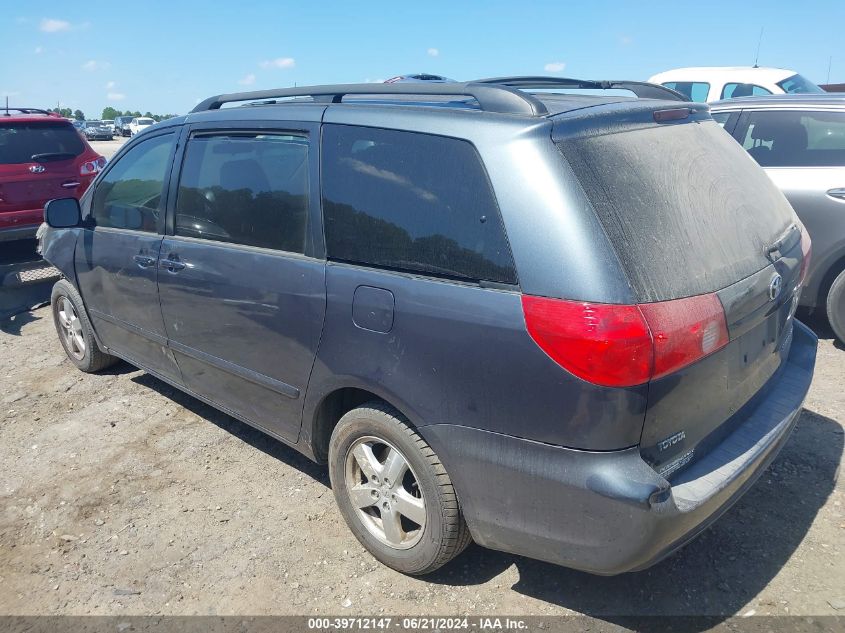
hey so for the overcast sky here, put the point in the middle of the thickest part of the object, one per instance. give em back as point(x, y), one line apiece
point(165, 56)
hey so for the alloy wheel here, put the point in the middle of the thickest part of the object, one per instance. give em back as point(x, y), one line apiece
point(71, 328)
point(385, 492)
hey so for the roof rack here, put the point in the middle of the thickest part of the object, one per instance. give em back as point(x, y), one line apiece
point(641, 89)
point(491, 98)
point(501, 94)
point(28, 111)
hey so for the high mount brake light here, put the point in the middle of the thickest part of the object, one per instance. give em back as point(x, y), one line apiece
point(626, 345)
point(675, 114)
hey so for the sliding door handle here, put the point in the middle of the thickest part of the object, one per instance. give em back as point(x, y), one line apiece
point(171, 265)
point(144, 261)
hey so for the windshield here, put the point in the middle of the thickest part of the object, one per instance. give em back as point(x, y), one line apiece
point(799, 85)
point(93, 123)
point(145, 121)
point(19, 142)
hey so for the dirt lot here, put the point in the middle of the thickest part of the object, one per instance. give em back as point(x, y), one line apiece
point(109, 148)
point(121, 495)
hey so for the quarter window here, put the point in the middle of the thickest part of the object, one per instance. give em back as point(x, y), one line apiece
point(129, 196)
point(412, 202)
point(729, 91)
point(245, 188)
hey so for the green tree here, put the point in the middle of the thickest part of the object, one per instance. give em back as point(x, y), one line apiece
point(65, 112)
point(79, 115)
point(109, 113)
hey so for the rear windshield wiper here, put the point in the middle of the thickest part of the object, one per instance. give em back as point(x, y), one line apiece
point(47, 157)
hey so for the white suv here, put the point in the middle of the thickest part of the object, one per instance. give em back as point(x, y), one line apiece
point(726, 82)
point(138, 124)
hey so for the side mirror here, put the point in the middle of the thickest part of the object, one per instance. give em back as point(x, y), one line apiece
point(63, 213)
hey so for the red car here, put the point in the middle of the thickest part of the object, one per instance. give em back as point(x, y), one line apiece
point(42, 157)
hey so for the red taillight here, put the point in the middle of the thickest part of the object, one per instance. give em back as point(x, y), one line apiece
point(625, 345)
point(684, 331)
point(91, 167)
point(602, 343)
point(807, 253)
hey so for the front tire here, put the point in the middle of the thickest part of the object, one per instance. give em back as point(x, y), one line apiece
point(393, 492)
point(74, 329)
point(835, 306)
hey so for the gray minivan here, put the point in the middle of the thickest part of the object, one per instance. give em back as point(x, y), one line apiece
point(533, 320)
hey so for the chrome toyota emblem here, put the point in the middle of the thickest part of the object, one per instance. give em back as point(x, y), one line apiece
point(774, 286)
point(37, 169)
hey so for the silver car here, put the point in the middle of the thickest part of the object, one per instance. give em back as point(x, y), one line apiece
point(800, 142)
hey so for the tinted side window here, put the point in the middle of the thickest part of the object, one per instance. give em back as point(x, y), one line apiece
point(412, 202)
point(130, 194)
point(247, 189)
point(721, 117)
point(794, 139)
point(695, 90)
point(732, 90)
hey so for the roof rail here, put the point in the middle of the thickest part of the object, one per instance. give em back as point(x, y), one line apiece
point(642, 89)
point(29, 111)
point(491, 97)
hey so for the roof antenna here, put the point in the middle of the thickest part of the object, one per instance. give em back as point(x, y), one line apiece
point(759, 41)
point(829, 62)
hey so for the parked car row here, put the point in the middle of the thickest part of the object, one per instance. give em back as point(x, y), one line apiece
point(559, 325)
point(108, 129)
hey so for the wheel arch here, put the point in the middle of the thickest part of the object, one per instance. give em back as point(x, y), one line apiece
point(325, 412)
point(828, 270)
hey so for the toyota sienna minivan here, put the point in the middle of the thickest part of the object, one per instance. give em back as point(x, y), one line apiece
point(559, 325)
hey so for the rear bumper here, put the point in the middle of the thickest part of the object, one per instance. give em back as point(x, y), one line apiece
point(609, 512)
point(20, 225)
point(18, 233)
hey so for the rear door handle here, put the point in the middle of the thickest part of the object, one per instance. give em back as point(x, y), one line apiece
point(144, 261)
point(838, 193)
point(171, 265)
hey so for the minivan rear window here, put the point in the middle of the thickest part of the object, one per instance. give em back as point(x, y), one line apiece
point(19, 142)
point(686, 209)
point(412, 202)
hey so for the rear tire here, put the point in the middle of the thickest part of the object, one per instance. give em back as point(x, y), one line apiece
point(835, 306)
point(74, 329)
point(393, 492)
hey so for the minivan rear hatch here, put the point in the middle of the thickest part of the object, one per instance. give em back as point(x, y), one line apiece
point(689, 213)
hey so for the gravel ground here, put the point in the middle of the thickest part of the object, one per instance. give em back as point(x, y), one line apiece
point(121, 495)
